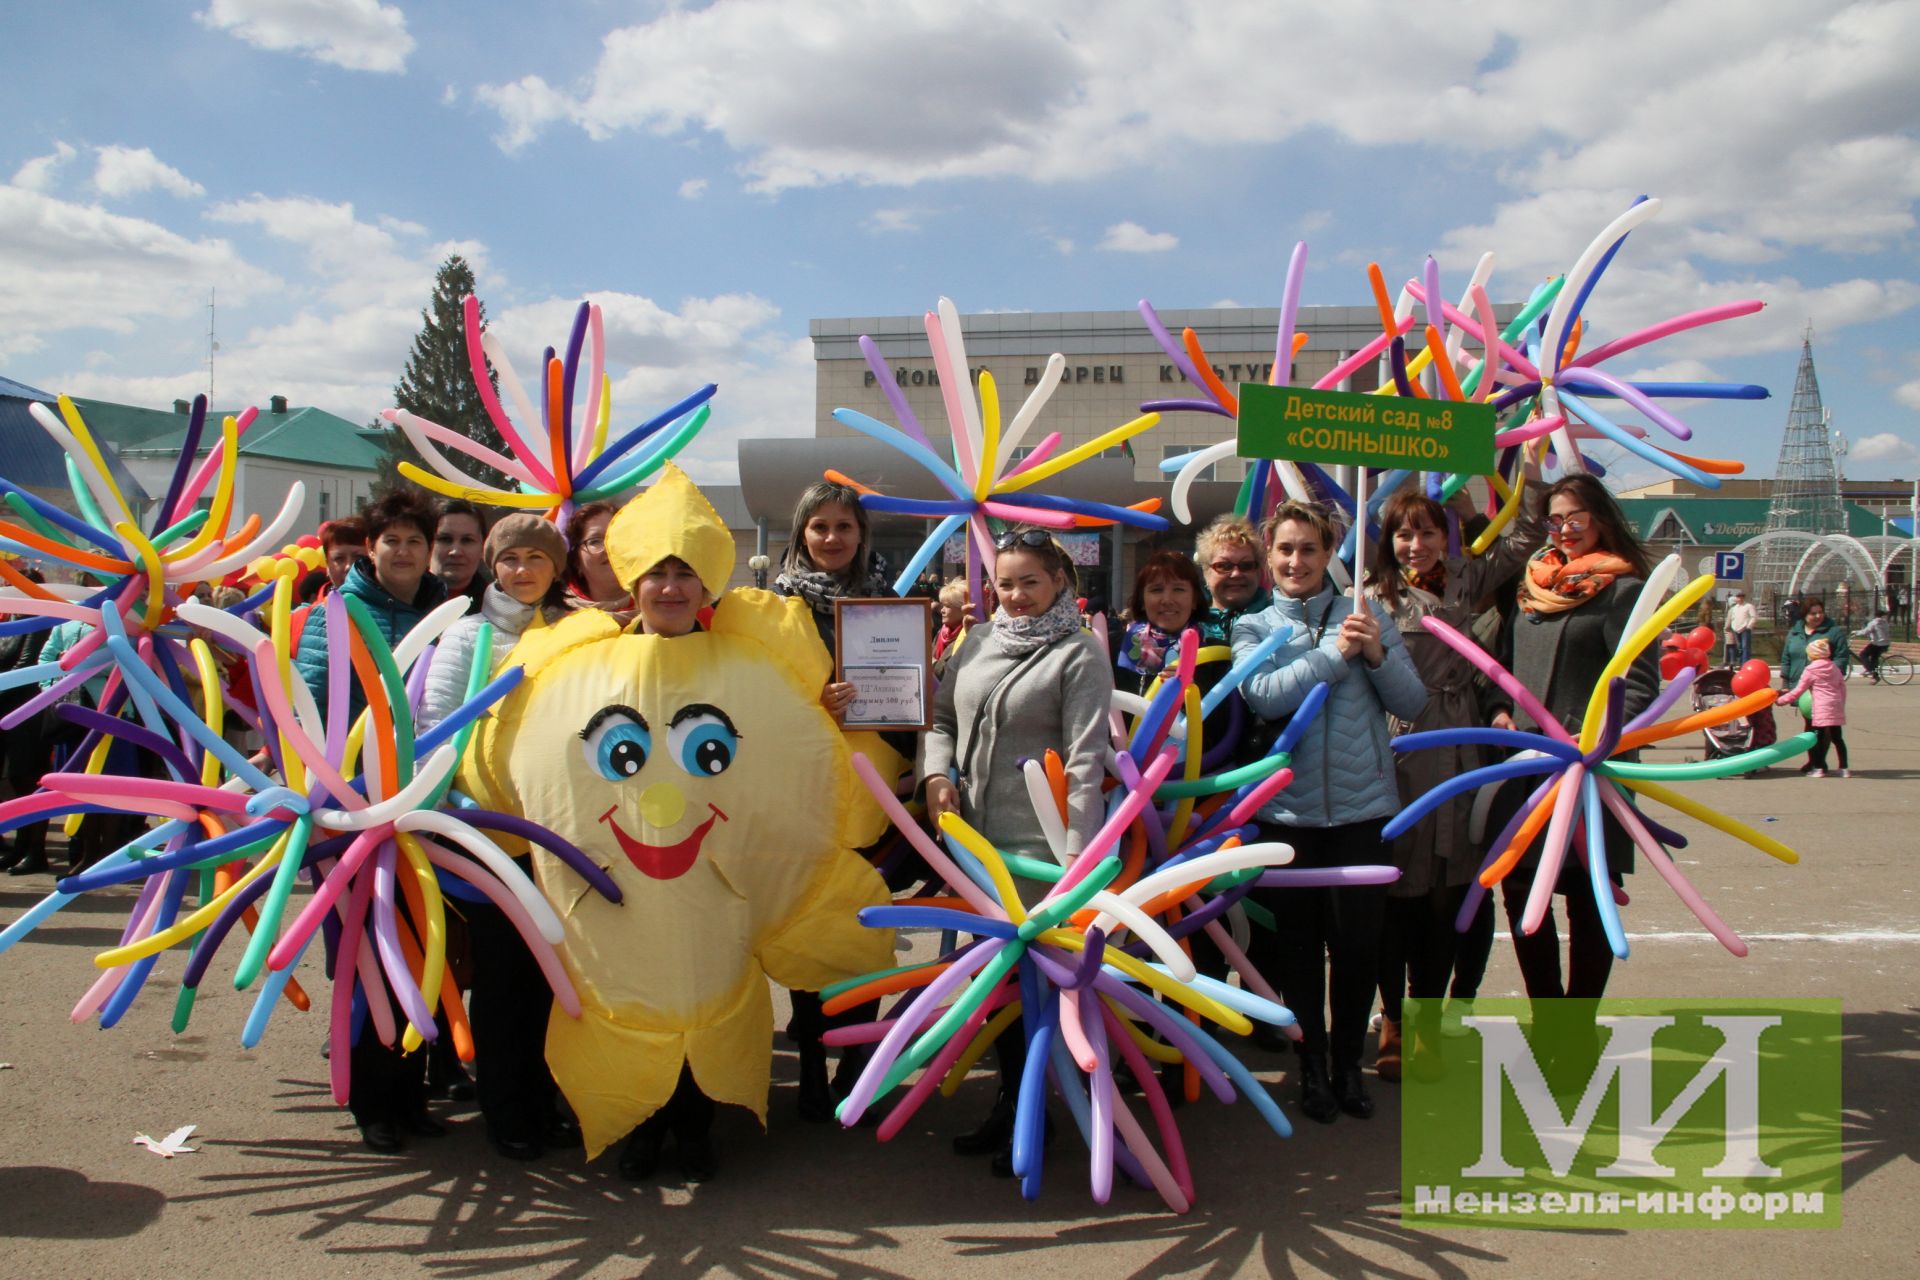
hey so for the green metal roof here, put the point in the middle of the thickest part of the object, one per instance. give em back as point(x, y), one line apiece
point(308, 436)
point(1726, 521)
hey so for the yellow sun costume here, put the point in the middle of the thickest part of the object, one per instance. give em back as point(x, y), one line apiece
point(702, 772)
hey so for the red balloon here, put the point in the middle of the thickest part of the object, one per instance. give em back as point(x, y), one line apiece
point(1754, 674)
point(1672, 664)
point(1700, 638)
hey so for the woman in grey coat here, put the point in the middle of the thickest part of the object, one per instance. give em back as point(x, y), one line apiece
point(1341, 795)
point(1576, 594)
point(1026, 681)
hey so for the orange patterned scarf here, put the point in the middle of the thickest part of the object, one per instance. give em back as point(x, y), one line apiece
point(1554, 584)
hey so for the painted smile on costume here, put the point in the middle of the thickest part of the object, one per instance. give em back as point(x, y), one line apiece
point(662, 861)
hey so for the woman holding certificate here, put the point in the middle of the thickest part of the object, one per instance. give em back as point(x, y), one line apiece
point(1029, 680)
point(830, 557)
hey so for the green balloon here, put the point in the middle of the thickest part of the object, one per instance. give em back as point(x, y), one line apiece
point(1806, 705)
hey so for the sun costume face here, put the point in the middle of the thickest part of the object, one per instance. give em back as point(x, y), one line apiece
point(702, 773)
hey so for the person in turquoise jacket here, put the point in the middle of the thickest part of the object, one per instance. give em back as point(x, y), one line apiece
point(388, 1094)
point(1342, 793)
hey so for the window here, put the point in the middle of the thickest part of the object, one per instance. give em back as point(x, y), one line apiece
point(1179, 450)
point(326, 505)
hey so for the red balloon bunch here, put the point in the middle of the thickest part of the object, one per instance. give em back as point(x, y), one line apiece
point(1754, 675)
point(1694, 649)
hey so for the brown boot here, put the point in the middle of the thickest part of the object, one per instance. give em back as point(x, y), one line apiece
point(1387, 1061)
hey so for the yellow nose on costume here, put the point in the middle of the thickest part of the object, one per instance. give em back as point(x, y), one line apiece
point(662, 804)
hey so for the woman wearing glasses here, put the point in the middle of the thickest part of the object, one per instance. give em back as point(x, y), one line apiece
point(1341, 795)
point(1028, 680)
point(591, 581)
point(1415, 578)
point(1575, 596)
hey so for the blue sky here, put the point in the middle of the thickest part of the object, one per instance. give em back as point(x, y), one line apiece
point(718, 174)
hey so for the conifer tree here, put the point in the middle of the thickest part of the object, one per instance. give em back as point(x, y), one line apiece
point(437, 383)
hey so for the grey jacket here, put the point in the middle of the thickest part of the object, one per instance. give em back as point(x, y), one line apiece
point(1058, 698)
point(453, 656)
point(1343, 767)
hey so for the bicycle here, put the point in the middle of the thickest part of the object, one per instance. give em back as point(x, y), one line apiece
point(1895, 670)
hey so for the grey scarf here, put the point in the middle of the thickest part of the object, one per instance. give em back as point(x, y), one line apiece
point(1018, 637)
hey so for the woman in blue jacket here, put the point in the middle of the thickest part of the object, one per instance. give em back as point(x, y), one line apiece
point(1341, 796)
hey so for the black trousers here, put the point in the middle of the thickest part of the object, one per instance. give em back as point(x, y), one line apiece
point(1326, 952)
point(1826, 735)
point(1589, 957)
point(687, 1115)
point(1422, 955)
point(387, 1084)
point(509, 1008)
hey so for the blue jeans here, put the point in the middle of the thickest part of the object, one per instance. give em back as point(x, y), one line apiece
point(1739, 646)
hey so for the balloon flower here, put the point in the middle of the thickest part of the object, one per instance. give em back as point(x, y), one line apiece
point(1583, 775)
point(360, 807)
point(984, 481)
point(1097, 973)
point(147, 567)
point(569, 459)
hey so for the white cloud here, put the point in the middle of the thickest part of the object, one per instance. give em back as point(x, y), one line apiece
point(1885, 447)
point(526, 107)
point(360, 35)
point(1131, 237)
point(693, 188)
point(1063, 245)
point(449, 95)
point(126, 171)
point(1908, 394)
point(37, 173)
point(894, 220)
point(75, 266)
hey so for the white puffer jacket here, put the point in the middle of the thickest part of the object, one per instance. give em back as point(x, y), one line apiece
point(453, 656)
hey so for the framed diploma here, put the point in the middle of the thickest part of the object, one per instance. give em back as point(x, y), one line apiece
point(884, 648)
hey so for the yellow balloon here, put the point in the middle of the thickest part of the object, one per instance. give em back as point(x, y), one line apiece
point(1713, 818)
point(990, 435)
point(1099, 444)
point(980, 847)
point(221, 511)
point(478, 493)
point(1630, 649)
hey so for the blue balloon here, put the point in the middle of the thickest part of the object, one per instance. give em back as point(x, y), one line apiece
point(911, 917)
point(1597, 869)
point(928, 550)
point(1471, 781)
point(1488, 737)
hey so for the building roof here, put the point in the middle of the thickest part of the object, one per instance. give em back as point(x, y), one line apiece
point(29, 457)
point(305, 435)
point(1725, 521)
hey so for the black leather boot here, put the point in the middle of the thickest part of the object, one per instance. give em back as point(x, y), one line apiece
point(1316, 1092)
point(993, 1133)
point(1350, 1090)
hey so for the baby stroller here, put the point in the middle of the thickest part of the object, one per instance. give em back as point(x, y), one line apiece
point(1714, 688)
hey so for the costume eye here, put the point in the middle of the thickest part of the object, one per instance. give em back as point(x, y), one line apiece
point(702, 740)
point(617, 743)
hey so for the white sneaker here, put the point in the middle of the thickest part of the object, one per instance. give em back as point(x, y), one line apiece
point(1373, 1023)
point(1816, 773)
point(1846, 773)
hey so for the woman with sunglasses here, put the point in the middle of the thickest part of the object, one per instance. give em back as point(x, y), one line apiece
point(1341, 795)
point(1576, 594)
point(1415, 578)
point(1029, 680)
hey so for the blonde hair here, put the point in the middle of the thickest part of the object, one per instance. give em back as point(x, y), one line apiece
point(953, 593)
point(1227, 530)
point(1310, 514)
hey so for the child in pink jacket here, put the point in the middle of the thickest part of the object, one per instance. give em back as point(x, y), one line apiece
point(1829, 689)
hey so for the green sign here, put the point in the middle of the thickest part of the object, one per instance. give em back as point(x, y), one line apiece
point(1346, 429)
point(1623, 1113)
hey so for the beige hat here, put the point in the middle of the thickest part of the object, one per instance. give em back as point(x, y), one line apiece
point(523, 529)
point(1818, 649)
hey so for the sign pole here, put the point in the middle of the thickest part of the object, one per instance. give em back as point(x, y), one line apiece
point(1359, 534)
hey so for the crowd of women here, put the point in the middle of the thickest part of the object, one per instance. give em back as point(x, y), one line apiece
point(1021, 673)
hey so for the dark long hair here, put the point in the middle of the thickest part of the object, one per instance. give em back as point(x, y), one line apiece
point(1406, 507)
point(571, 573)
point(1609, 522)
point(818, 495)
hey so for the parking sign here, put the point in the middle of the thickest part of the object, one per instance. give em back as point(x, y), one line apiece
point(1731, 565)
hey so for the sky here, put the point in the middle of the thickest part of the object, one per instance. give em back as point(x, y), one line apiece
point(715, 175)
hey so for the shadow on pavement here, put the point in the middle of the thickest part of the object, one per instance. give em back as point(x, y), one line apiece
point(41, 1203)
